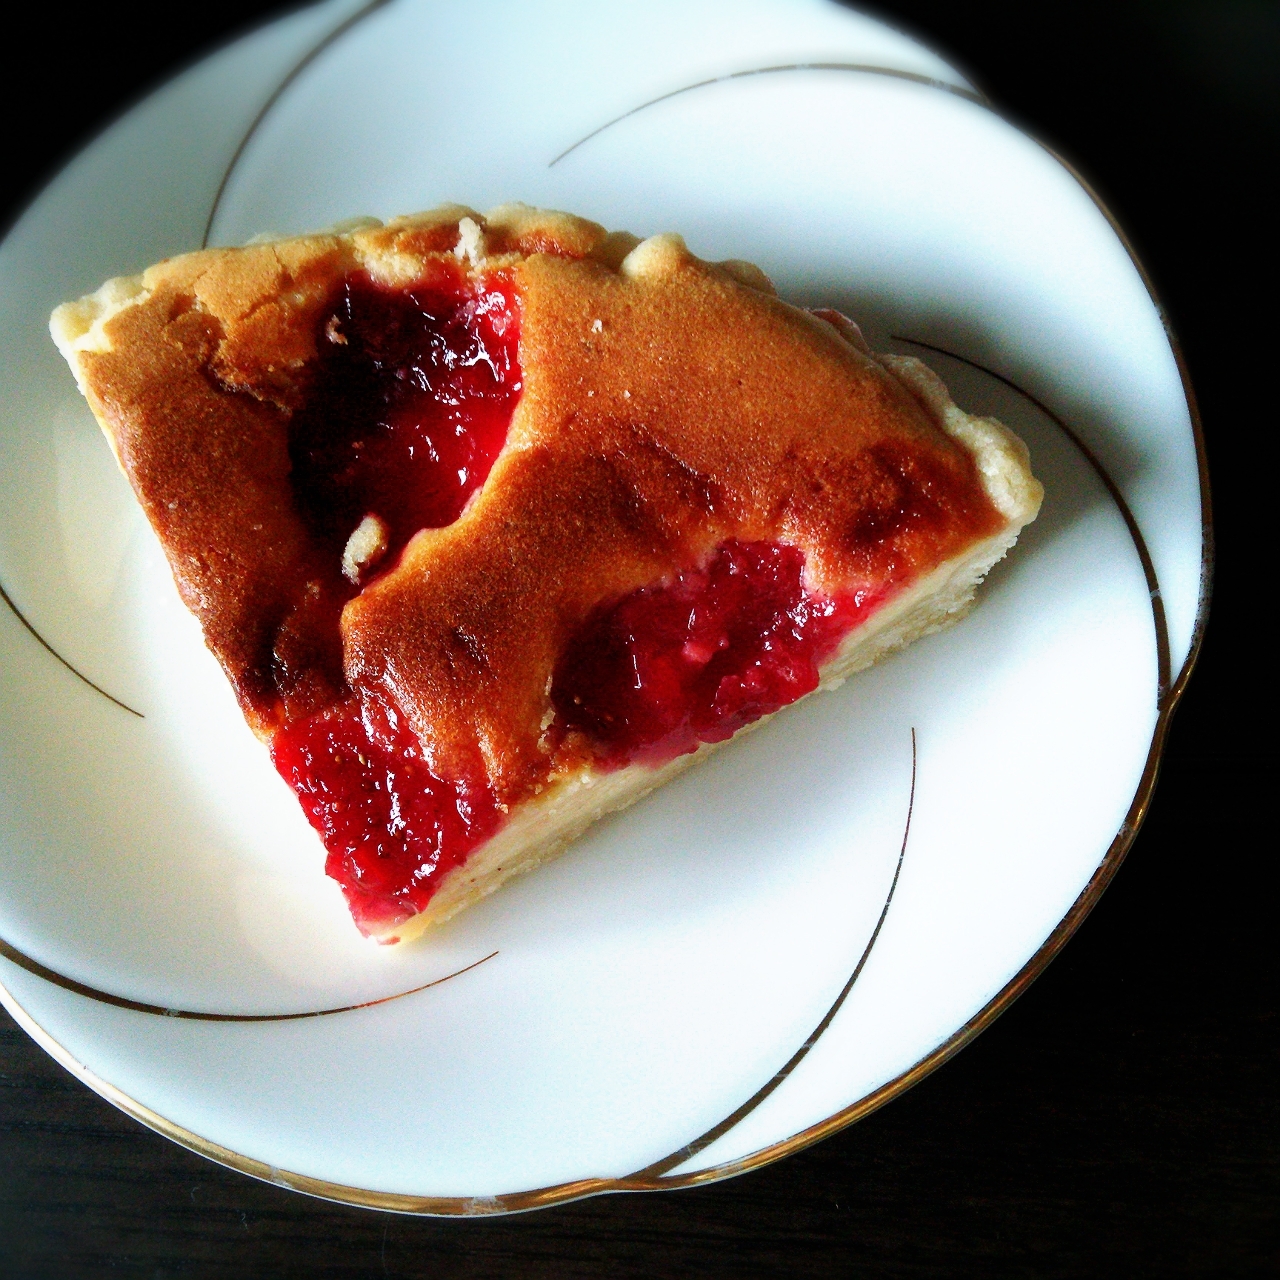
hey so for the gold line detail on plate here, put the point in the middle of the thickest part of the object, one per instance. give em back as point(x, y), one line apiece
point(342, 29)
point(24, 961)
point(691, 1149)
point(22, 618)
point(1163, 665)
point(1167, 696)
point(863, 68)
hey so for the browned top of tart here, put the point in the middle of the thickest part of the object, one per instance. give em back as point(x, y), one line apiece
point(663, 405)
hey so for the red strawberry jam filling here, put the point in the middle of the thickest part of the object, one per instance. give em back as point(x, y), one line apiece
point(391, 827)
point(410, 403)
point(693, 660)
point(412, 397)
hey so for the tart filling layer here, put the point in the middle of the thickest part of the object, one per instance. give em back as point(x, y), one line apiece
point(391, 828)
point(407, 408)
point(695, 659)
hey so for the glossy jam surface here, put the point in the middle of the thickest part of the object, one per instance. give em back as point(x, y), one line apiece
point(410, 402)
point(413, 394)
point(391, 827)
point(695, 659)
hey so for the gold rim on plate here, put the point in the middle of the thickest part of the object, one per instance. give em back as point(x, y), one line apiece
point(655, 1176)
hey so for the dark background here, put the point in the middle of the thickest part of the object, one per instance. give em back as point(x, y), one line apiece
point(1121, 1118)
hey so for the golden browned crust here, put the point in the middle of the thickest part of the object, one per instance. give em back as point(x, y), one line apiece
point(193, 369)
point(666, 408)
point(668, 404)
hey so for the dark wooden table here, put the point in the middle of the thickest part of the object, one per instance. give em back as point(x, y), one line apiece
point(1122, 1117)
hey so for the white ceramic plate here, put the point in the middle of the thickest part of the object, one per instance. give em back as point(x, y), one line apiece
point(887, 865)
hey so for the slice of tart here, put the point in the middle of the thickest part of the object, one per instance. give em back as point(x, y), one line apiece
point(496, 523)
